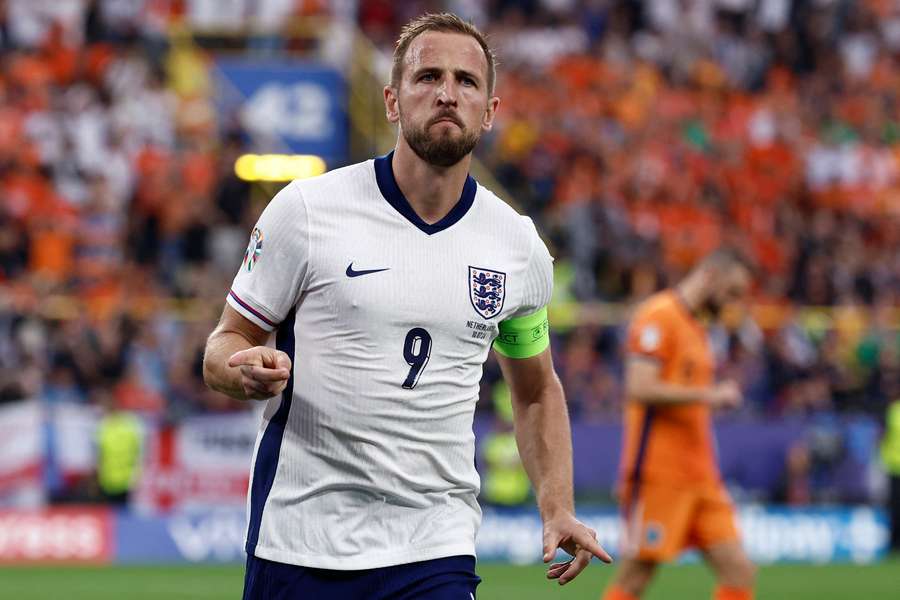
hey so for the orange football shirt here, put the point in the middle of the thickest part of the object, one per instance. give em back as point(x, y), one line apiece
point(670, 444)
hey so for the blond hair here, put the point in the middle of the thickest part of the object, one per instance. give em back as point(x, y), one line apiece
point(444, 22)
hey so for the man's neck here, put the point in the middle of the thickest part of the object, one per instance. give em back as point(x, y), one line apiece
point(431, 191)
point(692, 291)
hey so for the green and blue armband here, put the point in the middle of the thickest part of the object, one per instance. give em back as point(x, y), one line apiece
point(524, 337)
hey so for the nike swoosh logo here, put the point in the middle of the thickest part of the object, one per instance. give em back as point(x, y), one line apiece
point(352, 273)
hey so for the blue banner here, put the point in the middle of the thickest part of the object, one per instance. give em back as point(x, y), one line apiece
point(295, 107)
point(192, 537)
point(771, 534)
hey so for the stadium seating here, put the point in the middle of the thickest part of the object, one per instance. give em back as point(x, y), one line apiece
point(122, 221)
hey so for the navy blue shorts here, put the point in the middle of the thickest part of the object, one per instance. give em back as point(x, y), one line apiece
point(451, 578)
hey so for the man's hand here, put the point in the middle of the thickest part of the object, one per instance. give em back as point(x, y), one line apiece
point(726, 395)
point(568, 533)
point(264, 371)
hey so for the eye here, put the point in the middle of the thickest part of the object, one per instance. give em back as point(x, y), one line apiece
point(427, 77)
point(469, 81)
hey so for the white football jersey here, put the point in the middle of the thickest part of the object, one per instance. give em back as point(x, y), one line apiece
point(368, 457)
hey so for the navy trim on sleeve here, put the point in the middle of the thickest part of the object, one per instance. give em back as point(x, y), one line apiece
point(255, 313)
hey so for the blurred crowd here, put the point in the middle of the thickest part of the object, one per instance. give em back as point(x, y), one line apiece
point(640, 135)
point(645, 134)
point(121, 221)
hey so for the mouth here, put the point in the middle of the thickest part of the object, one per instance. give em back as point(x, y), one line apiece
point(446, 119)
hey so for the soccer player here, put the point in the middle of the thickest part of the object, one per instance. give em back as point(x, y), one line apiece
point(671, 492)
point(386, 283)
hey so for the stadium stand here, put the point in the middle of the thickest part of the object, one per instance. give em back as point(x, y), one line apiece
point(122, 221)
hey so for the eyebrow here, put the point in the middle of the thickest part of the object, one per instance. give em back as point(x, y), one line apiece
point(459, 73)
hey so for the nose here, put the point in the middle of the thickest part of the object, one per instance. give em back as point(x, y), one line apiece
point(446, 93)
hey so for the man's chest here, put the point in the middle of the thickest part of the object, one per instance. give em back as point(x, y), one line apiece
point(459, 283)
point(693, 362)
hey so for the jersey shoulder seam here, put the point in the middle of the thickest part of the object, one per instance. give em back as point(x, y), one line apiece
point(652, 310)
point(309, 241)
point(494, 199)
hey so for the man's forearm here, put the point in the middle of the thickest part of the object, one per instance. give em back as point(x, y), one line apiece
point(545, 446)
point(658, 392)
point(216, 372)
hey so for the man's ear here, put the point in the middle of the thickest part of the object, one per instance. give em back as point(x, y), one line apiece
point(391, 104)
point(487, 121)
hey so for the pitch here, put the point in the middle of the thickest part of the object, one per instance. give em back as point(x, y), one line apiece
point(501, 582)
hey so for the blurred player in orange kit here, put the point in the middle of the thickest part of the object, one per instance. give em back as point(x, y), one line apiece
point(672, 496)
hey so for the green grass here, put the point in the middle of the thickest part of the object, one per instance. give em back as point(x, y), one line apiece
point(694, 582)
point(501, 582)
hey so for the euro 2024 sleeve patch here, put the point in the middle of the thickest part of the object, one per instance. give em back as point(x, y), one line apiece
point(254, 249)
point(650, 338)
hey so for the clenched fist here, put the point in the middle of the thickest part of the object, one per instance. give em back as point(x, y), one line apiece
point(264, 371)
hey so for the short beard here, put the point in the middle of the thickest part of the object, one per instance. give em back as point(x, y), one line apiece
point(713, 308)
point(443, 151)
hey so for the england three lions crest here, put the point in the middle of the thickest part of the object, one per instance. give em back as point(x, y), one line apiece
point(487, 290)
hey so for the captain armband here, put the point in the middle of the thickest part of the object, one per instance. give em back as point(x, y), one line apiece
point(524, 337)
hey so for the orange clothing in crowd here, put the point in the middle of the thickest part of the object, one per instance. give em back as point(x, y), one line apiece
point(51, 253)
point(27, 195)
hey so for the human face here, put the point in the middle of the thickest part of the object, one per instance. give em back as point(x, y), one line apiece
point(729, 286)
point(442, 103)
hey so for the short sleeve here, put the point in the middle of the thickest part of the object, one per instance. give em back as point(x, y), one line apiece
point(538, 286)
point(274, 268)
point(650, 335)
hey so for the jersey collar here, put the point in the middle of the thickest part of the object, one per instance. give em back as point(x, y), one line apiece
point(384, 175)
